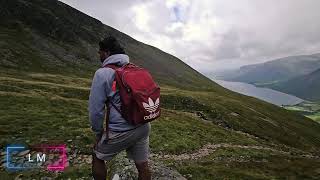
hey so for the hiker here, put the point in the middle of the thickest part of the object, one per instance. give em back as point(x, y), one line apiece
point(120, 134)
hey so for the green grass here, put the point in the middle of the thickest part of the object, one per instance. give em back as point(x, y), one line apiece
point(315, 117)
point(235, 163)
point(264, 84)
point(49, 108)
point(52, 109)
point(295, 108)
point(255, 117)
point(177, 132)
point(44, 110)
point(83, 172)
point(308, 109)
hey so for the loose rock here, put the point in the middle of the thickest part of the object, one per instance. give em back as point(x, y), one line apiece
point(23, 153)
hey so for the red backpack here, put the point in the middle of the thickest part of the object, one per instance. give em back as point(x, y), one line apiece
point(139, 94)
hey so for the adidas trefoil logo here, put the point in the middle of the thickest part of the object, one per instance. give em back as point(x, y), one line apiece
point(152, 106)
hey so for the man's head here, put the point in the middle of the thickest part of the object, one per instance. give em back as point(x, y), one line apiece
point(109, 46)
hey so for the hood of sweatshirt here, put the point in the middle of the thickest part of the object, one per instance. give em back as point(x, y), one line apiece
point(116, 59)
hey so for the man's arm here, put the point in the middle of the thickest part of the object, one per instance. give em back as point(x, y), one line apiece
point(97, 99)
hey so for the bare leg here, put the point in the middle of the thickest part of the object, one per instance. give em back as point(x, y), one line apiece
point(99, 170)
point(144, 171)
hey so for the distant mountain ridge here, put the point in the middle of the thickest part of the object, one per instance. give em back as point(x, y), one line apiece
point(305, 86)
point(276, 70)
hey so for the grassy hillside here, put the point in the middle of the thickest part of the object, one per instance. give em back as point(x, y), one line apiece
point(52, 108)
point(49, 57)
point(306, 86)
point(276, 70)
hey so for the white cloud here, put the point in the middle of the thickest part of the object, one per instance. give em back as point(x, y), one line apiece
point(141, 17)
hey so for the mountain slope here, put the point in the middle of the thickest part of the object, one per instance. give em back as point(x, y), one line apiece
point(48, 52)
point(306, 86)
point(37, 37)
point(51, 37)
point(276, 70)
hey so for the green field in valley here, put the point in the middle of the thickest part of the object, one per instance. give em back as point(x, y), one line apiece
point(308, 109)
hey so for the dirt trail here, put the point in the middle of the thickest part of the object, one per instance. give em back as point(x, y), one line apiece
point(210, 148)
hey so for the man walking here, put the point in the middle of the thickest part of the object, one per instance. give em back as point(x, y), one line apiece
point(120, 134)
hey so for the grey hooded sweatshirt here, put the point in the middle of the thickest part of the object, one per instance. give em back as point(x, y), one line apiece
point(101, 88)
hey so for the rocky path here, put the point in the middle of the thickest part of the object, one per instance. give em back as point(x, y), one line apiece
point(125, 169)
point(122, 168)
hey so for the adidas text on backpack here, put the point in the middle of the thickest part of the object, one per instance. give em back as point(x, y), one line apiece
point(139, 94)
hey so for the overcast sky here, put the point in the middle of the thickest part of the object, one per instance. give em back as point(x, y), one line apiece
point(212, 35)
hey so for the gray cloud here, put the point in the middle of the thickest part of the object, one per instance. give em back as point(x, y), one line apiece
point(215, 34)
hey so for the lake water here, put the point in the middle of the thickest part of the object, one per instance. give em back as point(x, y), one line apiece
point(265, 94)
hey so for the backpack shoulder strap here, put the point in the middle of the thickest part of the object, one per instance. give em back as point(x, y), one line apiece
point(106, 117)
point(114, 67)
point(108, 101)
